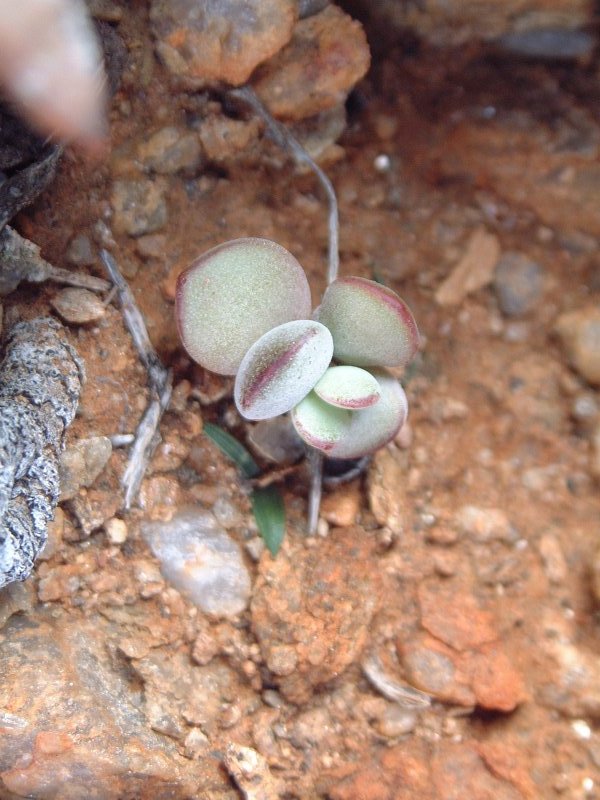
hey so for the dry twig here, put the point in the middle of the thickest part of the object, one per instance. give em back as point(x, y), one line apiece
point(147, 436)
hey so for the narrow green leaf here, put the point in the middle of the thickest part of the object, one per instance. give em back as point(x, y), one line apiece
point(269, 512)
point(233, 450)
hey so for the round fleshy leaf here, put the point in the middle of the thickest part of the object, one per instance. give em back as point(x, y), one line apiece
point(320, 424)
point(233, 294)
point(281, 368)
point(370, 324)
point(372, 428)
point(348, 387)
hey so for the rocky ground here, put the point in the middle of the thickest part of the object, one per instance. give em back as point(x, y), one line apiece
point(464, 564)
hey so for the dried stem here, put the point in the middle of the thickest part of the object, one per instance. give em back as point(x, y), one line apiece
point(159, 378)
point(288, 142)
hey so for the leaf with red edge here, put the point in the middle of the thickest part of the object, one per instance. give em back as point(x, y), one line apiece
point(233, 294)
point(281, 368)
point(348, 387)
point(370, 324)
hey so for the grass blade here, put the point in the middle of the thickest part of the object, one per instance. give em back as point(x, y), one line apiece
point(269, 512)
point(233, 450)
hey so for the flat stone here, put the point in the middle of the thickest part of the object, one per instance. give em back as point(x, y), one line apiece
point(139, 206)
point(473, 271)
point(201, 561)
point(327, 56)
point(219, 41)
point(579, 332)
point(78, 306)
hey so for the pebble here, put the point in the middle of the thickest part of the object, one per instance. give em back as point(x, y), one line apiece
point(276, 440)
point(152, 245)
point(201, 561)
point(170, 150)
point(116, 530)
point(208, 43)
point(81, 463)
point(518, 284)
point(579, 332)
point(341, 508)
point(485, 524)
point(223, 138)
point(139, 206)
point(331, 45)
point(78, 306)
point(79, 251)
point(196, 744)
point(396, 721)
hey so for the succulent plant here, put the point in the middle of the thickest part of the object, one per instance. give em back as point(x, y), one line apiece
point(243, 309)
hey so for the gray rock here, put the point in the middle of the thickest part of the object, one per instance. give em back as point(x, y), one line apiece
point(518, 283)
point(200, 560)
point(139, 206)
point(79, 251)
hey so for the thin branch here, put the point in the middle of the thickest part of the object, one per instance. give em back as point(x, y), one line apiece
point(147, 436)
point(288, 142)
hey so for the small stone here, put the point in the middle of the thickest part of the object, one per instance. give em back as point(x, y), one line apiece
point(276, 440)
point(579, 332)
point(227, 514)
point(79, 251)
point(170, 150)
point(139, 206)
point(341, 508)
point(595, 452)
point(282, 660)
point(441, 534)
point(311, 727)
point(485, 524)
point(386, 497)
point(224, 138)
point(208, 43)
point(553, 558)
point(205, 648)
point(198, 557)
point(327, 56)
point(396, 721)
point(445, 563)
point(196, 744)
point(116, 530)
point(518, 283)
point(152, 245)
point(81, 463)
point(473, 271)
point(78, 306)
